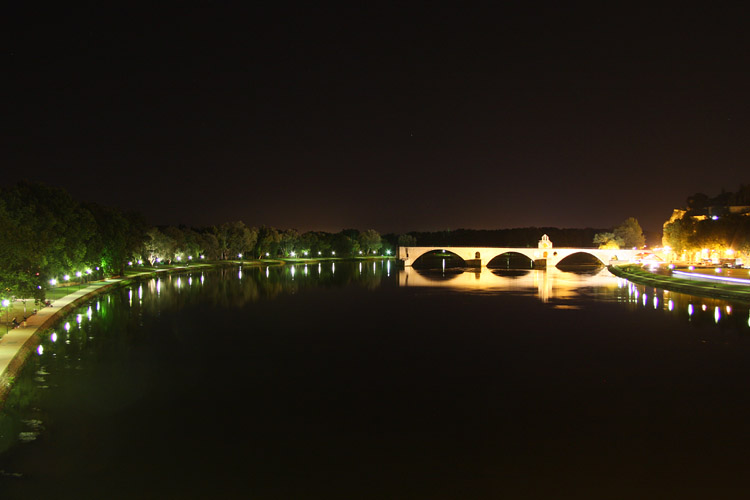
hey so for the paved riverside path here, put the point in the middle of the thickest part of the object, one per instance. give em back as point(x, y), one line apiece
point(12, 343)
point(18, 343)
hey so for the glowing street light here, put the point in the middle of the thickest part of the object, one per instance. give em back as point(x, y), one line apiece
point(53, 282)
point(6, 305)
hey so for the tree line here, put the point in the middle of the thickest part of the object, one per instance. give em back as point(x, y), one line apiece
point(47, 234)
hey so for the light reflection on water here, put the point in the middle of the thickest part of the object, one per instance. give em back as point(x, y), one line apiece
point(560, 287)
point(562, 290)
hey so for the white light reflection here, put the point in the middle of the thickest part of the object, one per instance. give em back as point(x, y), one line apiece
point(373, 267)
point(333, 268)
point(293, 271)
point(190, 280)
point(656, 302)
point(40, 349)
point(645, 298)
point(717, 314)
point(239, 274)
point(158, 286)
point(53, 337)
point(179, 282)
point(89, 313)
point(729, 309)
point(443, 265)
point(130, 296)
point(319, 267)
point(140, 292)
point(703, 307)
point(690, 309)
point(360, 267)
point(201, 278)
point(388, 267)
point(670, 305)
point(267, 272)
point(67, 326)
point(79, 318)
point(305, 269)
point(97, 305)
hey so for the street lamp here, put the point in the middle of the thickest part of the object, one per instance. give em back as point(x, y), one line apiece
point(6, 305)
point(78, 275)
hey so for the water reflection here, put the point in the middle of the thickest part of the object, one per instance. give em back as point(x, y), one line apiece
point(561, 288)
point(546, 284)
point(118, 323)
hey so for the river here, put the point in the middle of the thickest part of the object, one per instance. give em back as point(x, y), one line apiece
point(360, 380)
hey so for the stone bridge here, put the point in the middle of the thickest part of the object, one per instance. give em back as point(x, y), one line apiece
point(543, 255)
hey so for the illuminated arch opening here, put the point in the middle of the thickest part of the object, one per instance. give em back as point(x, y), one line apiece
point(437, 259)
point(510, 260)
point(580, 259)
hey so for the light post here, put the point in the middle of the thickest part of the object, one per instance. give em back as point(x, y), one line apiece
point(6, 305)
point(78, 275)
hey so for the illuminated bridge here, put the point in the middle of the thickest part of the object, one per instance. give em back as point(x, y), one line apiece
point(543, 255)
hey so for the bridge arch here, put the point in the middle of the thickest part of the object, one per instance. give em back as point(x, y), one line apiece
point(511, 259)
point(451, 259)
point(582, 258)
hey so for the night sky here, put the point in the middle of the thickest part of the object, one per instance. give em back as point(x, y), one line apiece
point(394, 117)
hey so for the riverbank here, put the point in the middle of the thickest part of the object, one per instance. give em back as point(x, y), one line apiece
point(17, 344)
point(637, 274)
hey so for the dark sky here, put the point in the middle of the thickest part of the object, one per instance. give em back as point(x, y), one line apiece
point(391, 117)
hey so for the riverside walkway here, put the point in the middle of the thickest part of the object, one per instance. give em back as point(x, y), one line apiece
point(20, 342)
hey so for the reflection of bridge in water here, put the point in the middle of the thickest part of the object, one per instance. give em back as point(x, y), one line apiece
point(542, 256)
point(547, 284)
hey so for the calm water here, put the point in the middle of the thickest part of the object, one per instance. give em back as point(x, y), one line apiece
point(352, 380)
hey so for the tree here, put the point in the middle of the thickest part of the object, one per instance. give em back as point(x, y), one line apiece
point(288, 242)
point(369, 241)
point(608, 240)
point(239, 239)
point(678, 234)
point(407, 240)
point(630, 233)
point(158, 246)
point(268, 240)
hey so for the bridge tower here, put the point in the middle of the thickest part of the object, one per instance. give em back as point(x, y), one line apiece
point(545, 256)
